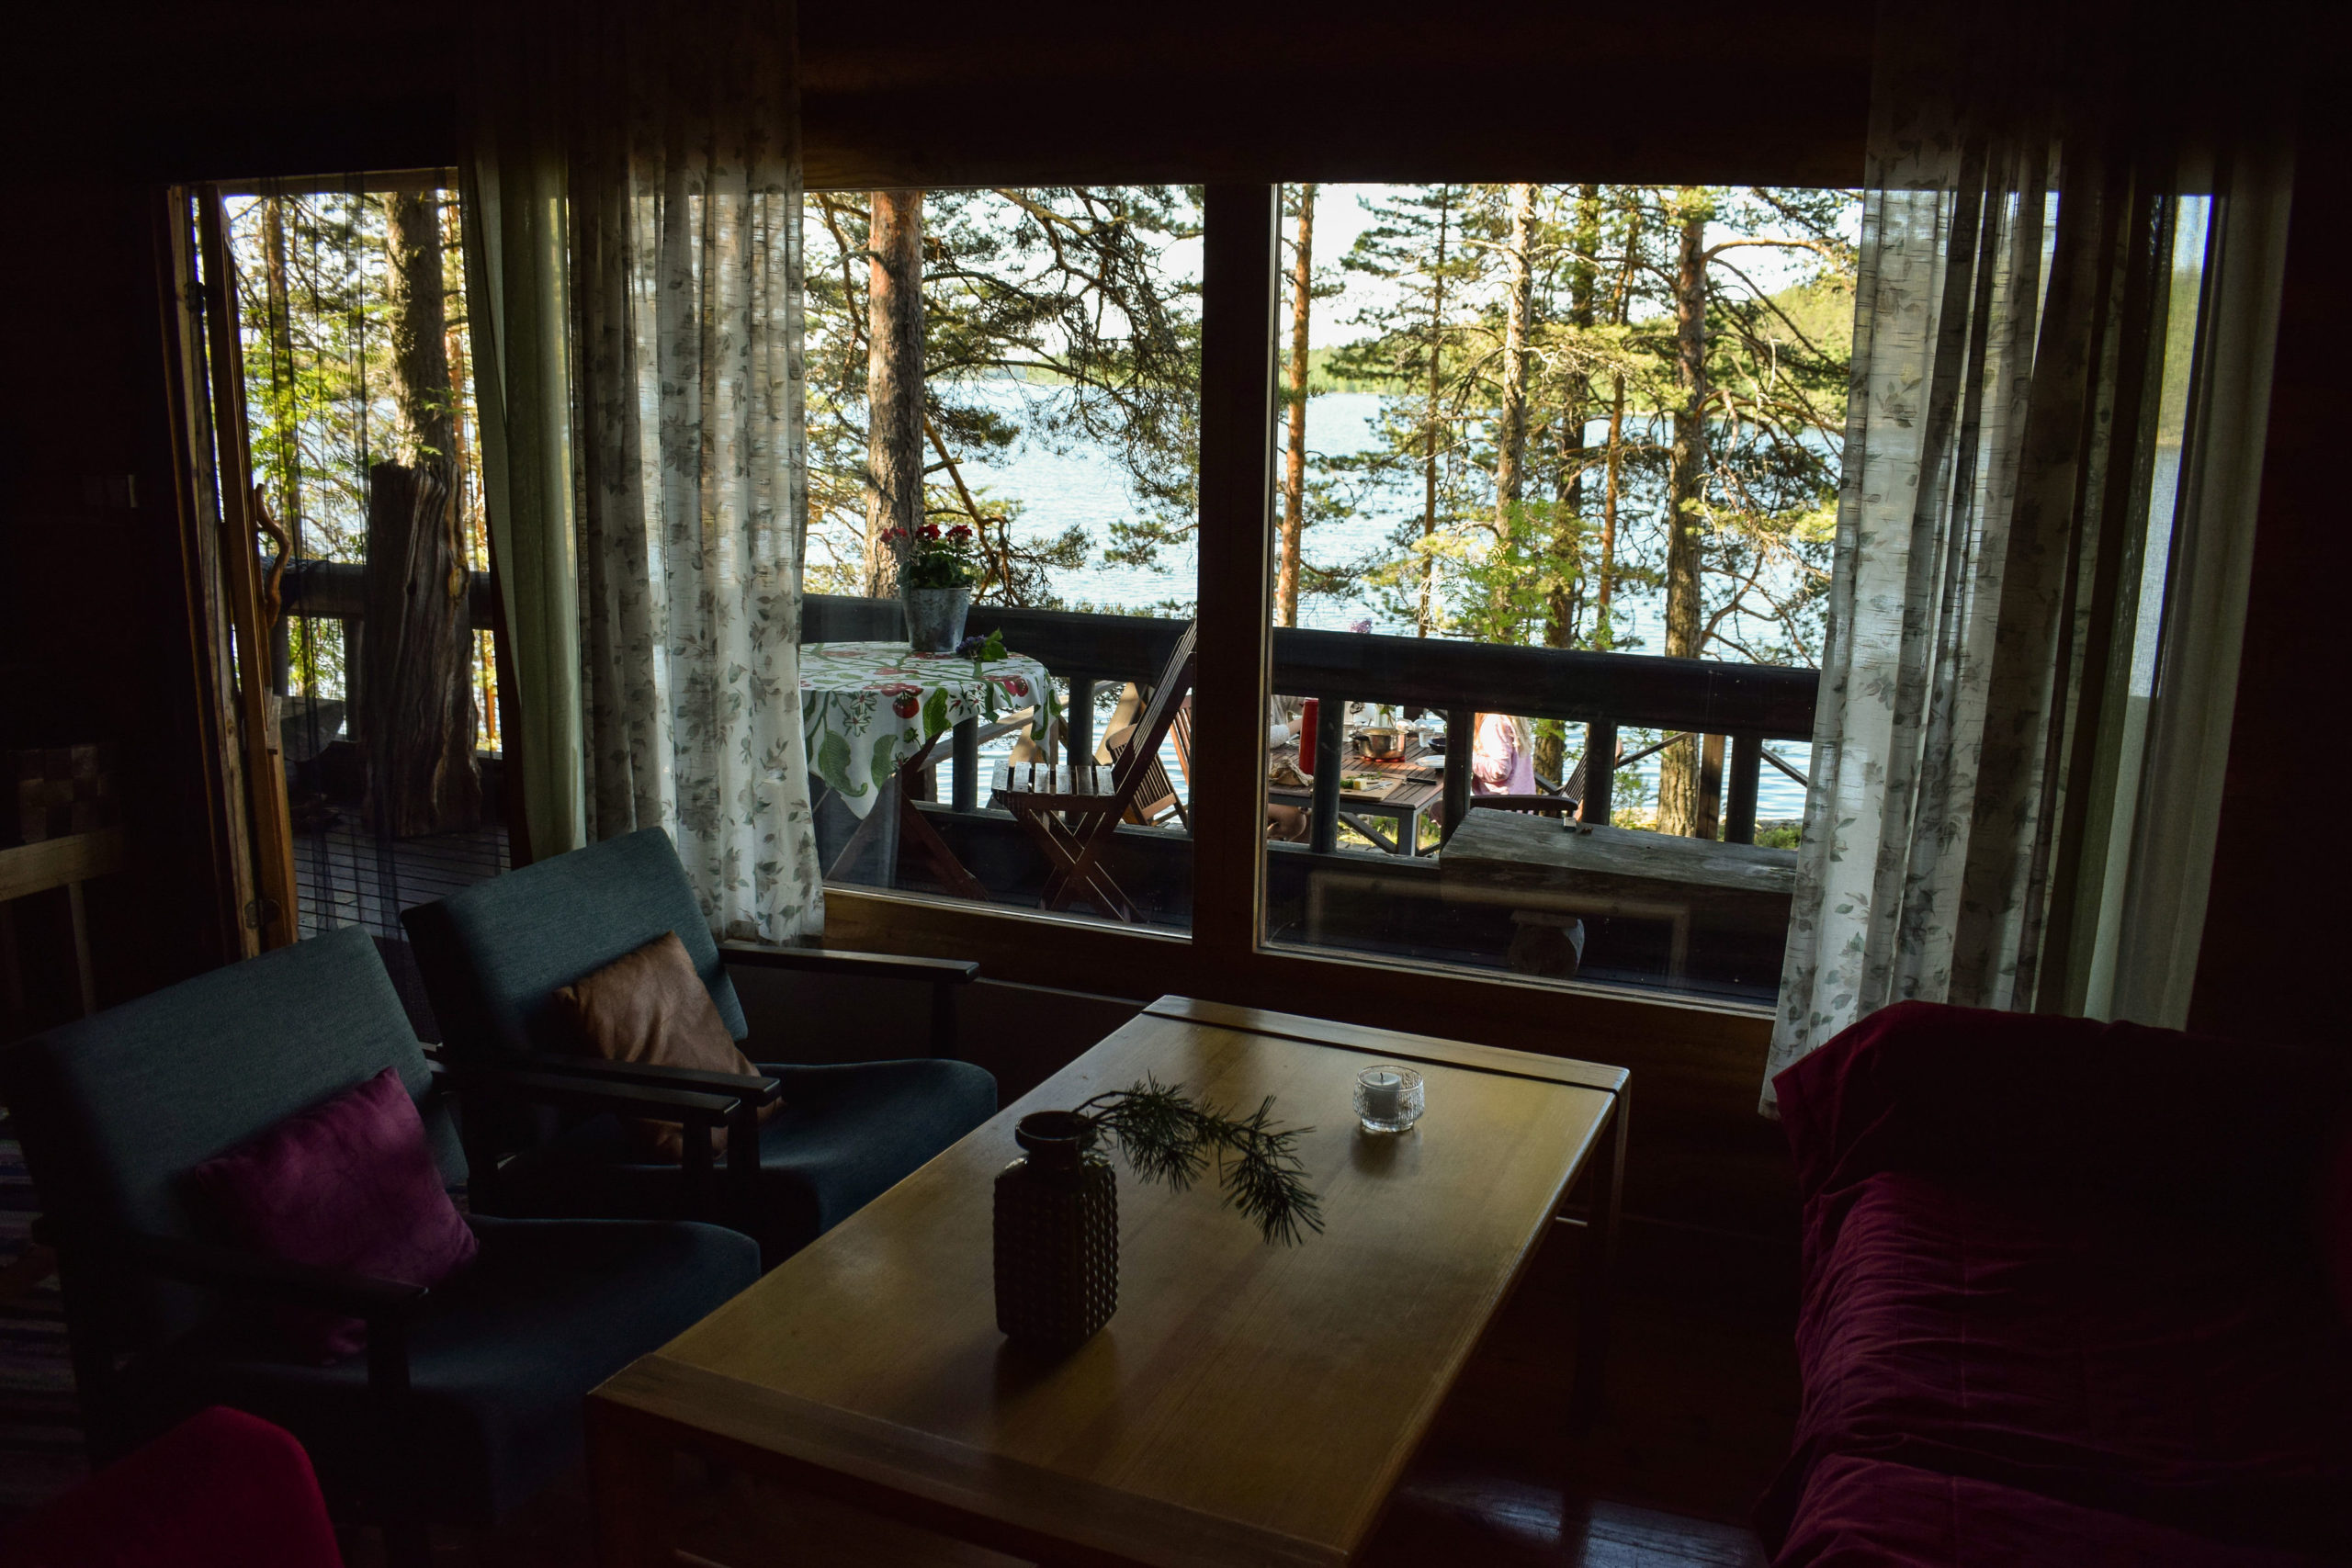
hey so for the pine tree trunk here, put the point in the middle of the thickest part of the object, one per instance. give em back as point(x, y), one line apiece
point(1424, 619)
point(1519, 294)
point(286, 461)
point(893, 391)
point(1686, 485)
point(1605, 630)
point(416, 695)
point(414, 286)
point(416, 699)
point(1294, 521)
point(1563, 605)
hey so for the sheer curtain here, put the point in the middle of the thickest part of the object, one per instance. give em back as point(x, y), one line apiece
point(514, 219)
point(1996, 578)
point(686, 293)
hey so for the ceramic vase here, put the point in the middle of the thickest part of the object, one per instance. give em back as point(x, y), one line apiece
point(1056, 1236)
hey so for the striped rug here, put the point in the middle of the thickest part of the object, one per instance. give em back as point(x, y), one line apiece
point(40, 1429)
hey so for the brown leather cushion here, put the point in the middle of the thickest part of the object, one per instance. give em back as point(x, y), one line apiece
point(650, 1007)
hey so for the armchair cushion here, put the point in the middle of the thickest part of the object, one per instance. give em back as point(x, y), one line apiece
point(650, 1007)
point(498, 1363)
point(347, 1185)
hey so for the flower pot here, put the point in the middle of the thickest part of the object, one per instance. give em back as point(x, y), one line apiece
point(1056, 1236)
point(936, 617)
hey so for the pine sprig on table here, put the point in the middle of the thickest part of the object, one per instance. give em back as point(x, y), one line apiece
point(1168, 1136)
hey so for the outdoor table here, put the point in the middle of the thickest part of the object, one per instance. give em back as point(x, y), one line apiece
point(874, 711)
point(1412, 787)
point(1538, 863)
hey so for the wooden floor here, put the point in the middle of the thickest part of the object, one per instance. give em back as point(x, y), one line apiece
point(1701, 1399)
point(345, 875)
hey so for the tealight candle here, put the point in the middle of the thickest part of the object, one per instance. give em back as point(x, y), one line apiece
point(1388, 1098)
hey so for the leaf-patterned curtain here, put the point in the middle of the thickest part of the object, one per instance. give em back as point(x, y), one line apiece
point(1973, 743)
point(686, 278)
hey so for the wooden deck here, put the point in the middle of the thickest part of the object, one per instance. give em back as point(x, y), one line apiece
point(346, 876)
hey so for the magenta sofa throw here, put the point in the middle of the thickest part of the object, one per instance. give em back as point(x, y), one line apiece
point(348, 1185)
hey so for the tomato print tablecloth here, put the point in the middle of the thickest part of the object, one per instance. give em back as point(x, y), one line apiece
point(869, 706)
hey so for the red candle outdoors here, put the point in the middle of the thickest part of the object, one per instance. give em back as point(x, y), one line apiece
point(1306, 736)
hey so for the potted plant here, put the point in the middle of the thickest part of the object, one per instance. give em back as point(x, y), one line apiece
point(1057, 1207)
point(936, 570)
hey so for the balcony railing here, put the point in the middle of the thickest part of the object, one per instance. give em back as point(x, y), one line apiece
point(1751, 704)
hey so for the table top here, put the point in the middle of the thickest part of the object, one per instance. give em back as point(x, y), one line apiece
point(1411, 778)
point(1520, 845)
point(1248, 1404)
point(867, 708)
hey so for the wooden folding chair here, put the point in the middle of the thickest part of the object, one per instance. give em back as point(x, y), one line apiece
point(1073, 816)
point(1157, 798)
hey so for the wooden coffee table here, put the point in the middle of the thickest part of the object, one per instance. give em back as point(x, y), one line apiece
point(1249, 1404)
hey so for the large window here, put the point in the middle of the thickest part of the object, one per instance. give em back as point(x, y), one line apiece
point(1022, 365)
point(1556, 472)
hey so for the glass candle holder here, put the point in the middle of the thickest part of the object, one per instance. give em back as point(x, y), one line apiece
point(1388, 1098)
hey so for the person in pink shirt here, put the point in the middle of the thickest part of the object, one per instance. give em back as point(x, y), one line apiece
point(1502, 762)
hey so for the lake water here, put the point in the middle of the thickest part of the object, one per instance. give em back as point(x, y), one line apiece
point(1086, 489)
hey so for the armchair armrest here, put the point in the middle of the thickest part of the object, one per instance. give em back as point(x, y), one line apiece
point(574, 1092)
point(696, 1111)
point(758, 1089)
point(2153, 1115)
point(939, 974)
point(862, 965)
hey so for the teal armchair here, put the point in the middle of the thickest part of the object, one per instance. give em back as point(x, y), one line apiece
point(467, 1398)
point(492, 958)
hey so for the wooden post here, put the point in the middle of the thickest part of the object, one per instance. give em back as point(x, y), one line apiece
point(1331, 749)
point(964, 744)
point(1078, 719)
point(1600, 771)
point(1461, 745)
point(1239, 298)
point(1704, 822)
point(273, 911)
point(1739, 810)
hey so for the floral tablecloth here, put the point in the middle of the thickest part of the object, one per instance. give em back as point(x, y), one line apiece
point(868, 706)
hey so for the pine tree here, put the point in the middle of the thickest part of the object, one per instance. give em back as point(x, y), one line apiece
point(894, 380)
point(1294, 387)
point(1064, 289)
point(1414, 246)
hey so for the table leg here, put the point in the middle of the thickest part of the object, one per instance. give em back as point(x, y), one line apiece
point(912, 827)
point(1597, 1283)
point(629, 1475)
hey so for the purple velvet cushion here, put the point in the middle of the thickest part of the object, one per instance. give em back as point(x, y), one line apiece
point(346, 1185)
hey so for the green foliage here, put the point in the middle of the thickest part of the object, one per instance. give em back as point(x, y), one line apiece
point(315, 324)
point(1068, 290)
point(1600, 342)
point(1168, 1136)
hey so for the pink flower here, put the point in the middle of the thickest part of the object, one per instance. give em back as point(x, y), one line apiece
point(1014, 685)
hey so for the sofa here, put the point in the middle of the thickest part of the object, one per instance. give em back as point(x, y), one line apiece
point(2072, 1292)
